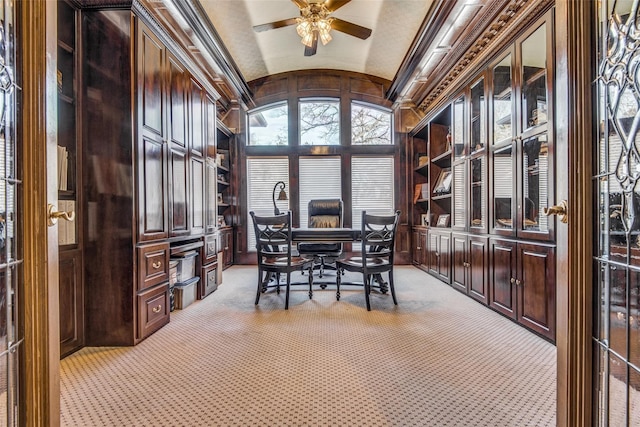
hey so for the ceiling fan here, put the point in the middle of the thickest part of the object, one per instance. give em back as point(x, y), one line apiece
point(315, 23)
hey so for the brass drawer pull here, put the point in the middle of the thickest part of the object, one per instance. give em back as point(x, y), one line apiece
point(157, 265)
point(157, 309)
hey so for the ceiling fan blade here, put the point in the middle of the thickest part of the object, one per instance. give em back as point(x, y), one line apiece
point(300, 3)
point(274, 25)
point(311, 50)
point(333, 5)
point(350, 28)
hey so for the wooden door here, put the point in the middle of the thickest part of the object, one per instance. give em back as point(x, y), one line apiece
point(459, 262)
point(445, 257)
point(432, 253)
point(536, 288)
point(478, 268)
point(502, 295)
point(179, 221)
point(151, 155)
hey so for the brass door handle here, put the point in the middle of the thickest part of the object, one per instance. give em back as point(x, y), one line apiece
point(54, 215)
point(562, 210)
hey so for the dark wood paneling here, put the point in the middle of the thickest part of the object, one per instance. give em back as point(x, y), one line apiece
point(445, 257)
point(71, 302)
point(153, 310)
point(152, 197)
point(197, 120)
point(178, 211)
point(152, 80)
point(196, 207)
point(153, 264)
point(177, 104)
point(271, 87)
point(366, 87)
point(321, 81)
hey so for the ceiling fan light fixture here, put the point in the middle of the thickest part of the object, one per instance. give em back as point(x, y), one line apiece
point(314, 20)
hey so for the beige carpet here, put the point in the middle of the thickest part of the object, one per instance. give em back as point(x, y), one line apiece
point(437, 359)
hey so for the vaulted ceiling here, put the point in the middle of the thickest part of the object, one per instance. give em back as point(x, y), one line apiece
point(419, 46)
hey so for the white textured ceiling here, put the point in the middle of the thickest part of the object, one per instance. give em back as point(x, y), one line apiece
point(394, 24)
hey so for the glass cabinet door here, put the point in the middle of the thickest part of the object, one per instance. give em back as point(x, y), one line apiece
point(533, 99)
point(478, 137)
point(503, 186)
point(502, 101)
point(459, 149)
point(478, 192)
point(535, 183)
point(459, 196)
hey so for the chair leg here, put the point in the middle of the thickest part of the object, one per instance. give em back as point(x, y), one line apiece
point(338, 281)
point(310, 281)
point(278, 283)
point(393, 289)
point(367, 288)
point(286, 298)
point(259, 287)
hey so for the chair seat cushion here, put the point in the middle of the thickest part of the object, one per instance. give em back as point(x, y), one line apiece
point(357, 262)
point(282, 262)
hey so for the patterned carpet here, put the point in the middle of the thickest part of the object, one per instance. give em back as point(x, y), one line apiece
point(437, 359)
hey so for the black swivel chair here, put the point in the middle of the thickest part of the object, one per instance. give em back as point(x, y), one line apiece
point(323, 213)
point(378, 239)
point(273, 245)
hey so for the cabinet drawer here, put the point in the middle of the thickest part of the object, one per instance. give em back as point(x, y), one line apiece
point(210, 249)
point(153, 310)
point(153, 265)
point(208, 280)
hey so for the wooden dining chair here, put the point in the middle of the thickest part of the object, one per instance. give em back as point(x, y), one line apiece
point(378, 239)
point(273, 246)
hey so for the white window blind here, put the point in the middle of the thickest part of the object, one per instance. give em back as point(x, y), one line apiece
point(372, 183)
point(262, 175)
point(319, 178)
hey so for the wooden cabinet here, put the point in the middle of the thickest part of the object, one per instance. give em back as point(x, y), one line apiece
point(146, 133)
point(71, 302)
point(439, 254)
point(470, 265)
point(210, 264)
point(226, 246)
point(420, 247)
point(523, 284)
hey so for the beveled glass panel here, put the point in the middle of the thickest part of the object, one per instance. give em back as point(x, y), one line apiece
point(634, 320)
point(617, 391)
point(602, 312)
point(535, 183)
point(502, 101)
point(320, 122)
point(459, 149)
point(534, 78)
point(634, 397)
point(459, 199)
point(601, 383)
point(503, 182)
point(604, 217)
point(478, 137)
point(618, 318)
point(478, 192)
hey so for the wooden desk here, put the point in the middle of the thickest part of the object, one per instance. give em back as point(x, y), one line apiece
point(325, 235)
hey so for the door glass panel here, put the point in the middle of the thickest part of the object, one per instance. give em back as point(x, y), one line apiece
point(459, 205)
point(11, 329)
point(535, 183)
point(502, 104)
point(478, 198)
point(478, 117)
point(534, 79)
point(458, 128)
point(618, 166)
point(503, 188)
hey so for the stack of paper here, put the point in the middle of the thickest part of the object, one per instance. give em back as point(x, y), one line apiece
point(63, 167)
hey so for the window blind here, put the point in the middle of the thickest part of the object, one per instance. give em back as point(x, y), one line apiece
point(372, 183)
point(262, 175)
point(319, 178)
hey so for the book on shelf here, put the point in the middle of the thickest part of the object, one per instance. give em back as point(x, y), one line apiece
point(417, 193)
point(63, 167)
